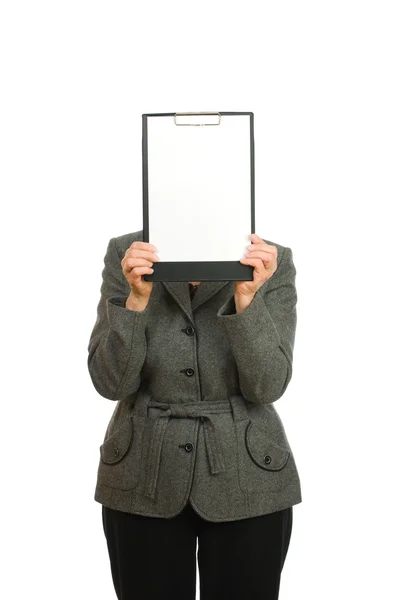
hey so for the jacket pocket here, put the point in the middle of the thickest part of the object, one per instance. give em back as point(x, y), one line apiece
point(263, 451)
point(116, 446)
point(119, 457)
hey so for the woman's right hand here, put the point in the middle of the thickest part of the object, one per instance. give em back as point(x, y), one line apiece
point(138, 261)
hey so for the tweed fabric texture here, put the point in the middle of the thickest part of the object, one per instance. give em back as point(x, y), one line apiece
point(195, 386)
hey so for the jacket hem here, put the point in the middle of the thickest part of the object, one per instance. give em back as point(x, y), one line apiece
point(255, 513)
point(119, 500)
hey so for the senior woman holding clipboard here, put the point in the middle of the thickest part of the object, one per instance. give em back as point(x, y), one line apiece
point(195, 464)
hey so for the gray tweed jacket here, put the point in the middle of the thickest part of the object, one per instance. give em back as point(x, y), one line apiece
point(195, 385)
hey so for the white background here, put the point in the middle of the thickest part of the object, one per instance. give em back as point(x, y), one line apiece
point(321, 79)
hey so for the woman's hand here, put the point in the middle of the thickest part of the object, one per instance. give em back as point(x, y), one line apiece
point(263, 257)
point(138, 261)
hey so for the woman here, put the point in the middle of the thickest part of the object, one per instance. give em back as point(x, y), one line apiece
point(195, 451)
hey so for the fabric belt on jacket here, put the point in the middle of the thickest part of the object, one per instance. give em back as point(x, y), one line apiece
point(163, 411)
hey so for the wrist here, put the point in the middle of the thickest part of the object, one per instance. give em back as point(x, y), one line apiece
point(242, 302)
point(137, 303)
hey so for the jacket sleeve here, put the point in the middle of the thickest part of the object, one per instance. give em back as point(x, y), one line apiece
point(117, 345)
point(262, 336)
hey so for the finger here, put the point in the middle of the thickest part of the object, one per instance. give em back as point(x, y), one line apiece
point(137, 253)
point(143, 271)
point(258, 265)
point(143, 246)
point(256, 238)
point(260, 245)
point(253, 261)
point(128, 264)
point(265, 256)
point(258, 260)
point(263, 246)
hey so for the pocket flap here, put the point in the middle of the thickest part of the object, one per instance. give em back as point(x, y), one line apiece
point(266, 454)
point(117, 445)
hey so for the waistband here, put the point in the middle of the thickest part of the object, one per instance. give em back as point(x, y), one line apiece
point(161, 412)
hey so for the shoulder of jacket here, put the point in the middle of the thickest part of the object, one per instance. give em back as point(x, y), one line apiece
point(280, 248)
point(124, 241)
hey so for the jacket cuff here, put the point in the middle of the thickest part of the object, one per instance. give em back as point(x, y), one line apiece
point(252, 329)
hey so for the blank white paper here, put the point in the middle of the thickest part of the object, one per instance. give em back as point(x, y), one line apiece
point(199, 189)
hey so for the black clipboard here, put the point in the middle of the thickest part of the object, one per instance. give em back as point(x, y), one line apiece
point(198, 194)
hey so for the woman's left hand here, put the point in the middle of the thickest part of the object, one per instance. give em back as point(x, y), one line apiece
point(261, 256)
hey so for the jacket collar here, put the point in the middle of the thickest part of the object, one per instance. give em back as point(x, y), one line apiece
point(180, 292)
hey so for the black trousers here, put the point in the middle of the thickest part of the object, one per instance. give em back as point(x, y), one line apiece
point(153, 558)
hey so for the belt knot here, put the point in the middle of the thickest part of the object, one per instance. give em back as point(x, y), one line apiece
point(164, 411)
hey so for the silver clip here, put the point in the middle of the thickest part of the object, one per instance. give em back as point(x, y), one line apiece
point(186, 114)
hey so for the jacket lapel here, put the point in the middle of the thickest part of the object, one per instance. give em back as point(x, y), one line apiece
point(180, 292)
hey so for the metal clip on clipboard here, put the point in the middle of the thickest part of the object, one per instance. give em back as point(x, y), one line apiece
point(189, 116)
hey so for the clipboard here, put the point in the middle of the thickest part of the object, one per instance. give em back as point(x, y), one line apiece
point(198, 194)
